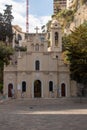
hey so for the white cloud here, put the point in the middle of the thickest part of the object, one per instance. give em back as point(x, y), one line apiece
point(37, 21)
point(19, 13)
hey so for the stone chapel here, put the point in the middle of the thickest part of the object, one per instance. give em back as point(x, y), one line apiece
point(40, 72)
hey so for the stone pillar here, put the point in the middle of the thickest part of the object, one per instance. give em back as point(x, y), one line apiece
point(19, 91)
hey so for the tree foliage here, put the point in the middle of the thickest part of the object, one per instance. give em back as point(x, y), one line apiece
point(5, 56)
point(76, 46)
point(6, 18)
point(65, 17)
point(5, 53)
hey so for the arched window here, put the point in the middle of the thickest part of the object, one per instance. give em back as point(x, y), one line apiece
point(37, 65)
point(36, 47)
point(19, 37)
point(23, 86)
point(56, 38)
point(50, 86)
point(32, 46)
point(42, 39)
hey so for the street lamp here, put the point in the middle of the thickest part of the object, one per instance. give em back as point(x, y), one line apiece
point(57, 75)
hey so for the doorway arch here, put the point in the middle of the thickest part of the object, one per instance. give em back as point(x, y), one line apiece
point(10, 87)
point(37, 89)
point(63, 90)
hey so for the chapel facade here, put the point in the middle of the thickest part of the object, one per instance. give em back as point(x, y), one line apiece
point(40, 72)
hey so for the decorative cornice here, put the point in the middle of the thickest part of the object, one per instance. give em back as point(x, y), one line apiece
point(46, 53)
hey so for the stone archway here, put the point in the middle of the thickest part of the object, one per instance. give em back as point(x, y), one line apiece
point(37, 89)
point(10, 87)
point(63, 90)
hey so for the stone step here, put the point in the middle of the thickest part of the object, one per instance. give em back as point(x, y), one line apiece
point(48, 101)
point(54, 101)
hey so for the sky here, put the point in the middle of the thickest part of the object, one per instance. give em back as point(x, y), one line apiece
point(40, 12)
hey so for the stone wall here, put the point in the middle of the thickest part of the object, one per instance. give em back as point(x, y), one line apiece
point(73, 88)
point(79, 18)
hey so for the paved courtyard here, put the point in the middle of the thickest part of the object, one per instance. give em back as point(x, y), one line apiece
point(43, 114)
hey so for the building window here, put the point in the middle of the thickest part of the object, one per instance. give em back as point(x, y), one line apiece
point(56, 38)
point(32, 46)
point(42, 39)
point(50, 86)
point(23, 86)
point(36, 47)
point(37, 65)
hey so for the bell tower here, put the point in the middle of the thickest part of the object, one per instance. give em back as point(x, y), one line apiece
point(55, 36)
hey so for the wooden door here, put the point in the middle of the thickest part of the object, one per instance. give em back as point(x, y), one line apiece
point(37, 89)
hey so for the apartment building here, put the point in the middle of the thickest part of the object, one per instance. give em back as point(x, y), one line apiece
point(58, 5)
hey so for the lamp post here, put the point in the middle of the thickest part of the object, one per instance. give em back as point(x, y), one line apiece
point(57, 76)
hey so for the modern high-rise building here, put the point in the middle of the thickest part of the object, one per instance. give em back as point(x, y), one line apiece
point(58, 5)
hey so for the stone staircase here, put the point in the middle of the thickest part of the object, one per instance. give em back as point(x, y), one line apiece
point(53, 101)
point(47, 101)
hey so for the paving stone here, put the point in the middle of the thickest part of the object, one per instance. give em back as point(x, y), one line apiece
point(43, 114)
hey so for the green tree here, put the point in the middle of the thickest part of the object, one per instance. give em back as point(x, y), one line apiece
point(76, 47)
point(2, 28)
point(6, 33)
point(5, 56)
point(65, 17)
point(8, 19)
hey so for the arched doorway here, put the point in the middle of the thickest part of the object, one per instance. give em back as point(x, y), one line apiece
point(10, 87)
point(37, 88)
point(63, 90)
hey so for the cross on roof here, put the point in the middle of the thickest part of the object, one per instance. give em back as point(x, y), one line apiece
point(36, 29)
